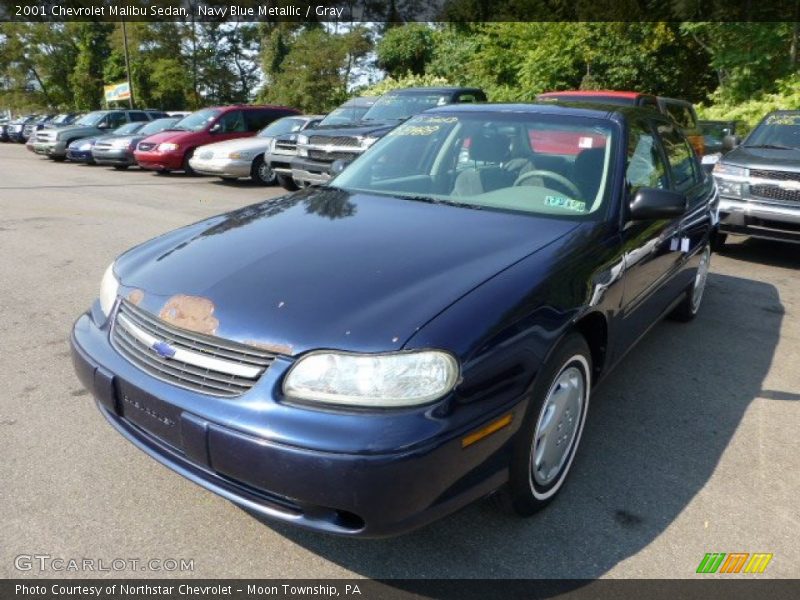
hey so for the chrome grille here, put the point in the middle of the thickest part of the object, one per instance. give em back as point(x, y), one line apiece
point(285, 147)
point(773, 192)
point(339, 140)
point(146, 146)
point(45, 136)
point(201, 363)
point(776, 175)
point(331, 156)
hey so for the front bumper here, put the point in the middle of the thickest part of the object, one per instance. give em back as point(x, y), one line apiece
point(159, 161)
point(756, 218)
point(79, 155)
point(221, 167)
point(354, 493)
point(310, 172)
point(114, 156)
point(55, 149)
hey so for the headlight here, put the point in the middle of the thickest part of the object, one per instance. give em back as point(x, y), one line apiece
point(368, 141)
point(241, 155)
point(85, 146)
point(729, 179)
point(372, 380)
point(302, 139)
point(108, 290)
point(168, 147)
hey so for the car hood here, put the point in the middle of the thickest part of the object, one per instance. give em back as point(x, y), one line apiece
point(129, 137)
point(360, 129)
point(237, 145)
point(764, 158)
point(174, 136)
point(326, 268)
point(71, 130)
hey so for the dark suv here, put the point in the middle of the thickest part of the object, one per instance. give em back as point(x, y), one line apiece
point(318, 149)
point(759, 181)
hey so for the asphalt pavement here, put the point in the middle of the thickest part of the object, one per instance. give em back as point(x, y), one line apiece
point(690, 447)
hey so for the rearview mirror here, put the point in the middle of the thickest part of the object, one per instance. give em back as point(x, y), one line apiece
point(339, 165)
point(651, 203)
point(729, 142)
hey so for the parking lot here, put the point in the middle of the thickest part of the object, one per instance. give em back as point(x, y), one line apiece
point(690, 447)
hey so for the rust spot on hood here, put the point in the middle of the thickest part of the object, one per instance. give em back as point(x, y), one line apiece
point(135, 297)
point(270, 347)
point(190, 312)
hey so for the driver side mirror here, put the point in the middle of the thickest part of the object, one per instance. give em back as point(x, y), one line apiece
point(215, 128)
point(729, 142)
point(103, 125)
point(651, 204)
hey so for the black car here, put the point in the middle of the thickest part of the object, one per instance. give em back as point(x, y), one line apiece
point(364, 357)
point(318, 149)
point(759, 181)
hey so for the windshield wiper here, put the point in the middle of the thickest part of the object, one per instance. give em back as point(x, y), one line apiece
point(771, 146)
point(432, 200)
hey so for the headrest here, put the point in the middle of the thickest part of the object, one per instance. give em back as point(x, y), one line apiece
point(489, 148)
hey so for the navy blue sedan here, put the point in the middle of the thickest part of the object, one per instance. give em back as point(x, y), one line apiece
point(81, 149)
point(426, 330)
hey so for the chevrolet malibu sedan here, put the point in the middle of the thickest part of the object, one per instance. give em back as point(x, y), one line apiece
point(367, 356)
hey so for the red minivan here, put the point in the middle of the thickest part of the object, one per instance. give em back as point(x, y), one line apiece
point(171, 150)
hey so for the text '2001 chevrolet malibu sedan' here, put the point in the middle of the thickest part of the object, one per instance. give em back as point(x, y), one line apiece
point(368, 356)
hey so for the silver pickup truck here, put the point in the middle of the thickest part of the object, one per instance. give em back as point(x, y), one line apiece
point(759, 181)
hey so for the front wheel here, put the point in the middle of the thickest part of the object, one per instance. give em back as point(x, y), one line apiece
point(121, 167)
point(548, 438)
point(261, 173)
point(690, 305)
point(287, 183)
point(187, 168)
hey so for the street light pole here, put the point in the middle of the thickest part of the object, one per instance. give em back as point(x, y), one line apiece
point(127, 63)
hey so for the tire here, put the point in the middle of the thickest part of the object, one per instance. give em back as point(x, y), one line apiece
point(187, 168)
point(121, 167)
point(690, 305)
point(287, 183)
point(162, 172)
point(261, 173)
point(58, 158)
point(556, 415)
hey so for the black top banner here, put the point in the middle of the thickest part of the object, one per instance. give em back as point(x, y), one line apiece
point(399, 10)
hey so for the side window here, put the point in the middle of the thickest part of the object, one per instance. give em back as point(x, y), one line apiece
point(116, 119)
point(645, 165)
point(682, 115)
point(232, 122)
point(682, 162)
point(467, 97)
point(256, 120)
point(136, 117)
point(650, 102)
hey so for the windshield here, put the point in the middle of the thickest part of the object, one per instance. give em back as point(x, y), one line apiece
point(59, 119)
point(343, 116)
point(92, 119)
point(127, 128)
point(281, 126)
point(533, 163)
point(777, 130)
point(198, 121)
point(395, 107)
point(157, 126)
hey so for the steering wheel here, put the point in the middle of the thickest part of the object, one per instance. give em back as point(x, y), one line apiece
point(557, 177)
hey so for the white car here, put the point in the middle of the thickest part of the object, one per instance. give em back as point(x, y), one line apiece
point(244, 157)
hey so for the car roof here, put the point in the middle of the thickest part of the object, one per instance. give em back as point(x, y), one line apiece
point(585, 93)
point(615, 112)
point(434, 90)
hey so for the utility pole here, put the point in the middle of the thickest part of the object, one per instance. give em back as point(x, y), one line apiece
point(127, 63)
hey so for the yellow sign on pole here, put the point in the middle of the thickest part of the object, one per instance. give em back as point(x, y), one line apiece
point(117, 92)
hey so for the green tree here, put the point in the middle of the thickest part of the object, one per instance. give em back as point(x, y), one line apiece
point(406, 49)
point(93, 51)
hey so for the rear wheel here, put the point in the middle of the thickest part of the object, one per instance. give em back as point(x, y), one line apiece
point(690, 306)
point(718, 243)
point(287, 183)
point(548, 438)
point(261, 173)
point(121, 167)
